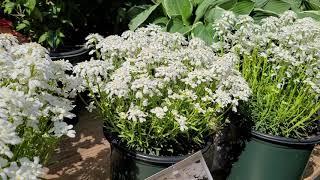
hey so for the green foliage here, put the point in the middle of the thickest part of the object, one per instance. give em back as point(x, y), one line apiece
point(286, 111)
point(43, 21)
point(194, 17)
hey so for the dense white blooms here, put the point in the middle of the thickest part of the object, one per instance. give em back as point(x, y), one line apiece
point(287, 42)
point(146, 75)
point(34, 94)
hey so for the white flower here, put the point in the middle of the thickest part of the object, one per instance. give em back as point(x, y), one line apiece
point(28, 170)
point(159, 111)
point(61, 128)
point(134, 113)
point(91, 106)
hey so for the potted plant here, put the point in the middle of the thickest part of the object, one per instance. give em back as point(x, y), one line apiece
point(34, 100)
point(160, 97)
point(280, 61)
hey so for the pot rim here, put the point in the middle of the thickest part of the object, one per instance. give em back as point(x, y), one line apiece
point(69, 54)
point(150, 158)
point(284, 140)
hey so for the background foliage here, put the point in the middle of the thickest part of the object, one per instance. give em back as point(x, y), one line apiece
point(194, 18)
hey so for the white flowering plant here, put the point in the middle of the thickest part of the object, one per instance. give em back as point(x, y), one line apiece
point(159, 93)
point(280, 59)
point(34, 94)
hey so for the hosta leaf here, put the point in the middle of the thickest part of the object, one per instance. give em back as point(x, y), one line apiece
point(178, 7)
point(312, 4)
point(243, 7)
point(314, 14)
point(228, 4)
point(135, 10)
point(260, 3)
point(205, 32)
point(259, 14)
point(142, 17)
point(277, 6)
point(214, 14)
point(205, 6)
point(175, 24)
point(161, 21)
point(295, 4)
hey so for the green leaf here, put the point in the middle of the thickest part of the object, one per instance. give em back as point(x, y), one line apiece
point(135, 10)
point(161, 21)
point(277, 6)
point(214, 14)
point(204, 32)
point(43, 37)
point(228, 4)
point(175, 24)
point(260, 3)
point(312, 4)
point(243, 7)
point(178, 7)
point(9, 6)
point(197, 2)
point(258, 14)
point(142, 17)
point(314, 14)
point(204, 7)
point(30, 4)
point(295, 4)
point(21, 26)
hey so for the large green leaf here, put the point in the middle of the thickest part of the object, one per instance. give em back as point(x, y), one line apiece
point(313, 14)
point(312, 4)
point(243, 7)
point(175, 24)
point(228, 4)
point(259, 14)
point(205, 32)
point(135, 10)
point(178, 7)
point(31, 4)
point(205, 6)
point(9, 6)
point(295, 4)
point(161, 21)
point(197, 2)
point(277, 6)
point(214, 14)
point(142, 17)
point(260, 3)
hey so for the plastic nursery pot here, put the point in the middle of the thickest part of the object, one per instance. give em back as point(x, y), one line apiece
point(268, 157)
point(129, 165)
point(74, 54)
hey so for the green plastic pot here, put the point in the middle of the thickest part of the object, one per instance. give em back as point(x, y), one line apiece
point(267, 157)
point(129, 165)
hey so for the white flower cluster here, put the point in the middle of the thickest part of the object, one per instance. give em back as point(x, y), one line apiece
point(155, 72)
point(285, 41)
point(33, 94)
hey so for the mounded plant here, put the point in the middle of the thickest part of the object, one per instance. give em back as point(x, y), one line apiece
point(280, 60)
point(158, 93)
point(34, 94)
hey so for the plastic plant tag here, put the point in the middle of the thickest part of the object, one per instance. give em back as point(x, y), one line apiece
point(193, 167)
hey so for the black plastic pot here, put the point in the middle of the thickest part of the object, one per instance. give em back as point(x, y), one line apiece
point(129, 165)
point(74, 54)
point(267, 157)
